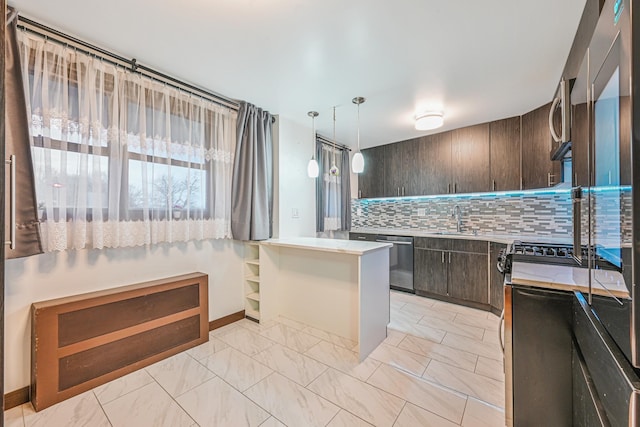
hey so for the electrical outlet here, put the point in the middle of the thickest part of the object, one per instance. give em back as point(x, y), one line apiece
point(422, 212)
point(359, 212)
point(295, 213)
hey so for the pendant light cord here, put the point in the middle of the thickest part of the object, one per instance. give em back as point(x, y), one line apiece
point(358, 127)
point(313, 137)
point(334, 134)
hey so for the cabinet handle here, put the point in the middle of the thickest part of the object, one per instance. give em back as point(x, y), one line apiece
point(449, 188)
point(403, 191)
point(12, 202)
point(455, 187)
point(449, 257)
point(500, 337)
point(494, 185)
point(359, 194)
point(398, 191)
point(442, 253)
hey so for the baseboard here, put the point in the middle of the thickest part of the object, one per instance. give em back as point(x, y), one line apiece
point(16, 398)
point(223, 321)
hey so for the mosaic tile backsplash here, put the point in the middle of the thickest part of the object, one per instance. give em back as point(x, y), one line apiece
point(524, 213)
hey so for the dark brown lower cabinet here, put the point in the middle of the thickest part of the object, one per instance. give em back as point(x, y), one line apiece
point(452, 269)
point(468, 277)
point(430, 271)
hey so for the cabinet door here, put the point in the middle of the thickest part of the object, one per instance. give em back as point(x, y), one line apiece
point(496, 294)
point(371, 180)
point(468, 277)
point(470, 159)
point(505, 154)
point(401, 167)
point(393, 171)
point(412, 181)
point(538, 170)
point(430, 271)
point(580, 145)
point(435, 163)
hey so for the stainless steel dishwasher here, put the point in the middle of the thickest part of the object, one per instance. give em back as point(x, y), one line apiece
point(400, 262)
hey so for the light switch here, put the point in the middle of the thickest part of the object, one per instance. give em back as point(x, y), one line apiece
point(421, 212)
point(295, 213)
point(359, 212)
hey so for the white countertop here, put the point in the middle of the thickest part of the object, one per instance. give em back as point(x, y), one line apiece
point(498, 238)
point(566, 278)
point(353, 247)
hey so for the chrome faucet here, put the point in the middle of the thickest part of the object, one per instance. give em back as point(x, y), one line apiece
point(457, 214)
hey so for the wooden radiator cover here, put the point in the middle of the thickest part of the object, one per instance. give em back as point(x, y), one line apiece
point(83, 341)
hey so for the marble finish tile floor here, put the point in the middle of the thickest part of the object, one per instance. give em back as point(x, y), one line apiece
point(440, 365)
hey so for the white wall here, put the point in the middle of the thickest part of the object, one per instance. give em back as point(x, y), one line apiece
point(296, 191)
point(55, 275)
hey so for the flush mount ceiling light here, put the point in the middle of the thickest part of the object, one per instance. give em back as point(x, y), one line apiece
point(357, 163)
point(312, 168)
point(429, 120)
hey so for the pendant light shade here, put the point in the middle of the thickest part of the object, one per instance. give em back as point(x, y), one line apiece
point(312, 168)
point(357, 163)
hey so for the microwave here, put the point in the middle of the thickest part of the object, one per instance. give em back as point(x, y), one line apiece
point(560, 121)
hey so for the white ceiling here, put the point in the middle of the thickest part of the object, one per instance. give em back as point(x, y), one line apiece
point(477, 60)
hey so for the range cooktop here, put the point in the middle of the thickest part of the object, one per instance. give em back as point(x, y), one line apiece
point(547, 253)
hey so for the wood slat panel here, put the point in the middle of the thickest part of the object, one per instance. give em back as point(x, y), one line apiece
point(88, 323)
point(86, 365)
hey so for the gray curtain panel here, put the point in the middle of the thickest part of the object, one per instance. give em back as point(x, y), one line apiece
point(27, 226)
point(320, 193)
point(345, 207)
point(252, 185)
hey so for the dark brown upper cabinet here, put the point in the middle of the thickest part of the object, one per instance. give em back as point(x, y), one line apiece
point(538, 170)
point(435, 164)
point(470, 159)
point(505, 154)
point(371, 180)
point(401, 172)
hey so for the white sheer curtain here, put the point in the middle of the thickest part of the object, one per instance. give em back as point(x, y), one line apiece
point(332, 187)
point(120, 159)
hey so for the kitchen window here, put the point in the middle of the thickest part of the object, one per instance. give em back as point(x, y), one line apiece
point(120, 159)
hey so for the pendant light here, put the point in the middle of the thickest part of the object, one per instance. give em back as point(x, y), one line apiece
point(312, 167)
point(334, 171)
point(357, 163)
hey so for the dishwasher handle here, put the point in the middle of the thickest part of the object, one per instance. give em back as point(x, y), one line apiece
point(395, 242)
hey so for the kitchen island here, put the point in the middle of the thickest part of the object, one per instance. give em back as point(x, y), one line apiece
point(338, 286)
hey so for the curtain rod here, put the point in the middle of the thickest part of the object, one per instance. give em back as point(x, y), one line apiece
point(115, 59)
point(331, 143)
